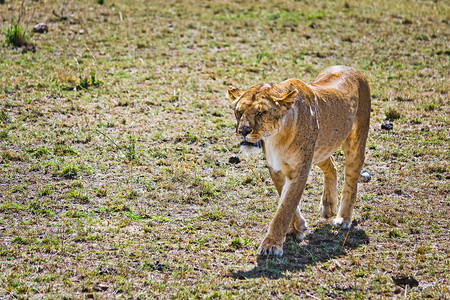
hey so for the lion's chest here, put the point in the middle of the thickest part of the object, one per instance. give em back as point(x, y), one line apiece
point(273, 158)
point(278, 160)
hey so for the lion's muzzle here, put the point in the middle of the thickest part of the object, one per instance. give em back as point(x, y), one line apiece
point(244, 130)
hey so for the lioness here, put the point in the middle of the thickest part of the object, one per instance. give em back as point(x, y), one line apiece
point(298, 124)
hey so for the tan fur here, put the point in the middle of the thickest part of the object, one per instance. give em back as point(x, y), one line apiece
point(303, 124)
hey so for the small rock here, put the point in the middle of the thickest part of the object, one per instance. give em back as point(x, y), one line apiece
point(405, 280)
point(40, 28)
point(387, 126)
point(234, 160)
point(158, 266)
point(109, 271)
point(101, 287)
point(29, 48)
point(365, 175)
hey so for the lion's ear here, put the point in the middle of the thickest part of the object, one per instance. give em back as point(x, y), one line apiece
point(234, 93)
point(285, 99)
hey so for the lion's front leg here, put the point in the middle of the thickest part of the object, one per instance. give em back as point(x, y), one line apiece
point(298, 224)
point(278, 179)
point(285, 215)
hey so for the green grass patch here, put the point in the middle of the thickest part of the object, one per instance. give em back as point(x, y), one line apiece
point(16, 36)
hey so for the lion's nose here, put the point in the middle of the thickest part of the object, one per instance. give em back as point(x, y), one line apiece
point(244, 130)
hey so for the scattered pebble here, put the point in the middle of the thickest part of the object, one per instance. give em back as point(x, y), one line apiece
point(101, 287)
point(29, 48)
point(365, 175)
point(234, 160)
point(387, 126)
point(158, 266)
point(405, 280)
point(40, 28)
point(109, 271)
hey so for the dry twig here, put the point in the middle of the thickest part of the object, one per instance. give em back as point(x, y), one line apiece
point(342, 247)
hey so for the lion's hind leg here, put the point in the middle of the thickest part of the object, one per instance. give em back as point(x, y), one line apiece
point(298, 225)
point(353, 147)
point(329, 196)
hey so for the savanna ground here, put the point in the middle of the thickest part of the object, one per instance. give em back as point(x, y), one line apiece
point(116, 137)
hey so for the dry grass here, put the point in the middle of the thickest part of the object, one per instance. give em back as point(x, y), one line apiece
point(119, 184)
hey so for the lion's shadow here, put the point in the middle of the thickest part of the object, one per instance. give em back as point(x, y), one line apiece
point(322, 244)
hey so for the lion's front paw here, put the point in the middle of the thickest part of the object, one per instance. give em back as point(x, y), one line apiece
point(298, 234)
point(270, 247)
point(341, 222)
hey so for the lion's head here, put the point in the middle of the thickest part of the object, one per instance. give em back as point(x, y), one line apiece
point(259, 112)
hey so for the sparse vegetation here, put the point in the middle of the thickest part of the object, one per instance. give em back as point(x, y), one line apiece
point(11, 156)
point(392, 114)
point(15, 36)
point(116, 137)
point(86, 82)
point(4, 116)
